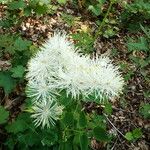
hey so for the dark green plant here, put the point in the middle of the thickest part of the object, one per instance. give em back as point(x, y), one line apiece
point(18, 51)
point(145, 110)
point(17, 11)
point(84, 41)
point(70, 19)
point(134, 135)
point(74, 130)
point(135, 14)
point(96, 7)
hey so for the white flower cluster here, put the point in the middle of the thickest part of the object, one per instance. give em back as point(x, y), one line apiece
point(58, 66)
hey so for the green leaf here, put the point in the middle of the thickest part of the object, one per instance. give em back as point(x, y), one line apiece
point(18, 71)
point(29, 138)
point(84, 41)
point(129, 136)
point(49, 136)
point(21, 45)
point(4, 114)
point(76, 139)
point(108, 109)
point(68, 119)
point(82, 120)
point(6, 43)
point(84, 141)
point(99, 119)
point(41, 9)
point(137, 133)
point(16, 126)
point(64, 99)
point(109, 33)
point(7, 82)
point(95, 9)
point(145, 31)
point(62, 1)
point(10, 143)
point(141, 44)
point(65, 146)
point(4, 1)
point(45, 1)
point(68, 145)
point(100, 134)
point(134, 135)
point(145, 111)
point(16, 5)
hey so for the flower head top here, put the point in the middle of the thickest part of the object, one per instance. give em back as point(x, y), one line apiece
point(46, 112)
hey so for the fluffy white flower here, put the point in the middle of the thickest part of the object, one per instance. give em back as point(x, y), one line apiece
point(38, 67)
point(40, 90)
point(60, 67)
point(104, 77)
point(85, 76)
point(46, 112)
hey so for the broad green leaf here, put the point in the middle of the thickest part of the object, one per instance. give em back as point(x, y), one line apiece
point(141, 44)
point(84, 41)
point(101, 1)
point(45, 1)
point(145, 110)
point(10, 143)
point(21, 45)
point(4, 1)
point(68, 119)
point(4, 114)
point(76, 139)
point(109, 33)
point(16, 5)
point(7, 82)
point(65, 146)
point(16, 126)
point(82, 120)
point(129, 136)
point(84, 141)
point(18, 71)
point(100, 134)
point(49, 136)
point(137, 133)
point(68, 145)
point(147, 32)
point(41, 9)
point(108, 109)
point(99, 119)
point(134, 135)
point(95, 9)
point(6, 43)
point(29, 138)
point(62, 1)
point(64, 99)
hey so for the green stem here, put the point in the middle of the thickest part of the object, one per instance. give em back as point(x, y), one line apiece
point(103, 21)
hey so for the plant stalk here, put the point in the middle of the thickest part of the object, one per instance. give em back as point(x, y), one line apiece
point(103, 21)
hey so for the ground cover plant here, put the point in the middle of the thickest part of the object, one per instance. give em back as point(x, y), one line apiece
point(74, 74)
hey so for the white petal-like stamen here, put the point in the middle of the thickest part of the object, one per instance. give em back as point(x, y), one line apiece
point(46, 112)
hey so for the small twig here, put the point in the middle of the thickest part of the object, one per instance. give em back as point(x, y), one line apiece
point(116, 128)
point(113, 125)
point(114, 144)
